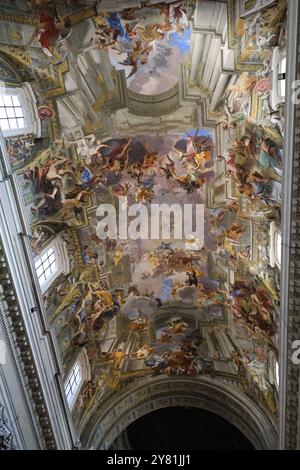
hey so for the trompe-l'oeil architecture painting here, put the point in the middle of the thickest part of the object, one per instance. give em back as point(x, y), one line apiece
point(129, 102)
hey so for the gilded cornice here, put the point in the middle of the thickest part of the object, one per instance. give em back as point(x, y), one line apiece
point(21, 19)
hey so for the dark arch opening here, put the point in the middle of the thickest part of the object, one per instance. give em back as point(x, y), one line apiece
point(185, 428)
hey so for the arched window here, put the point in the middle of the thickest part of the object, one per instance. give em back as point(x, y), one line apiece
point(277, 95)
point(282, 78)
point(73, 383)
point(275, 245)
point(278, 242)
point(18, 111)
point(46, 266)
point(11, 113)
point(77, 375)
point(52, 261)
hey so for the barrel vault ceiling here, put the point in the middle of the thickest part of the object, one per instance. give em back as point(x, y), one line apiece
point(167, 102)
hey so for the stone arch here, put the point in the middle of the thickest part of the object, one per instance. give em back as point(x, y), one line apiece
point(136, 400)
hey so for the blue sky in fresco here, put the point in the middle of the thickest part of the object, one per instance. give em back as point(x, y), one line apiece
point(200, 132)
point(183, 42)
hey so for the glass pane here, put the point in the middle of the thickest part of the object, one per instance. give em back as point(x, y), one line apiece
point(20, 122)
point(7, 100)
point(277, 373)
point(53, 267)
point(73, 383)
point(10, 112)
point(281, 90)
point(282, 67)
point(1, 101)
point(4, 124)
point(47, 273)
point(39, 271)
point(42, 280)
point(278, 247)
point(16, 101)
point(13, 124)
point(46, 264)
point(282, 83)
point(3, 113)
point(19, 112)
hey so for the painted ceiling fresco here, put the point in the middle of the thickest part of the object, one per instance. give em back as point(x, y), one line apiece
point(146, 307)
point(147, 43)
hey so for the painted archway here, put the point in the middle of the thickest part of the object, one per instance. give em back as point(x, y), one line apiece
point(109, 421)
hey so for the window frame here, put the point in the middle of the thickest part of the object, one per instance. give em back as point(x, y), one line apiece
point(6, 107)
point(85, 371)
point(281, 83)
point(32, 124)
point(275, 232)
point(277, 238)
point(68, 385)
point(276, 68)
point(61, 260)
point(48, 253)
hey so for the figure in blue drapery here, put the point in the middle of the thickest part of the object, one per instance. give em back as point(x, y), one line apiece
point(114, 22)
